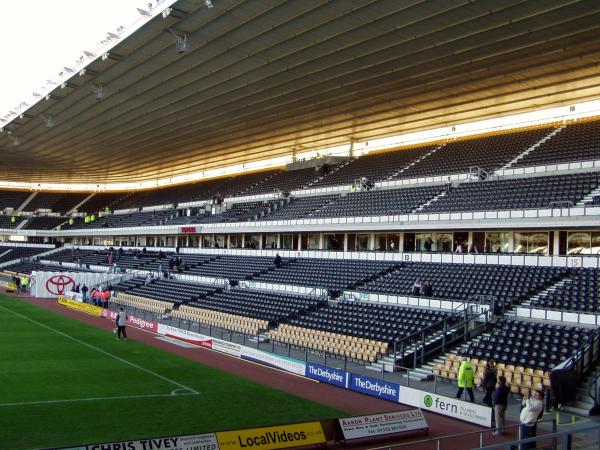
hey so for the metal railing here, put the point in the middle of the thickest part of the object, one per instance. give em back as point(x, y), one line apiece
point(560, 440)
point(472, 439)
point(434, 339)
point(594, 389)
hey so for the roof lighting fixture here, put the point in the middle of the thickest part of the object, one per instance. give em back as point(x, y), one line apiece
point(48, 120)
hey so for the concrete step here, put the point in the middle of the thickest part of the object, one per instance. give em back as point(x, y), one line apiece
point(576, 410)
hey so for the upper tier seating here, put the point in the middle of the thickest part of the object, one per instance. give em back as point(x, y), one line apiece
point(488, 153)
point(577, 142)
point(510, 284)
point(203, 190)
point(101, 201)
point(57, 202)
point(301, 207)
point(375, 167)
point(383, 323)
point(284, 181)
point(516, 193)
point(12, 199)
point(238, 212)
point(532, 345)
point(379, 202)
point(332, 274)
point(43, 223)
point(136, 219)
point(578, 293)
point(271, 306)
point(7, 223)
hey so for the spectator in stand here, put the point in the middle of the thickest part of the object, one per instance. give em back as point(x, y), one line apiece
point(500, 403)
point(105, 297)
point(474, 249)
point(277, 261)
point(465, 380)
point(533, 409)
point(417, 287)
point(427, 290)
point(428, 245)
point(490, 377)
point(459, 247)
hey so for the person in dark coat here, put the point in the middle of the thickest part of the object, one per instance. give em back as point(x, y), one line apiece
point(490, 377)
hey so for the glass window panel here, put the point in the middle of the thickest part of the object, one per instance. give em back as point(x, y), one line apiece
point(537, 243)
point(578, 243)
point(520, 242)
point(595, 250)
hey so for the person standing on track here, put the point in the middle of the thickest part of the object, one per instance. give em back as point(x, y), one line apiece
point(120, 321)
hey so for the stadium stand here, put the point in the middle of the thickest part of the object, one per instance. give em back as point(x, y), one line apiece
point(519, 193)
point(381, 202)
point(488, 153)
point(578, 292)
point(270, 307)
point(43, 223)
point(57, 202)
point(576, 142)
point(509, 284)
point(375, 167)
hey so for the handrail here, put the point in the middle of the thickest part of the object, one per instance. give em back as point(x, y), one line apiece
point(458, 435)
point(565, 436)
point(593, 386)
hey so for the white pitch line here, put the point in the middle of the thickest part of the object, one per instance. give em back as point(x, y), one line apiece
point(104, 352)
point(74, 400)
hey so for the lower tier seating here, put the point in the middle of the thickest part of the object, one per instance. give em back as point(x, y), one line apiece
point(533, 345)
point(520, 379)
point(578, 293)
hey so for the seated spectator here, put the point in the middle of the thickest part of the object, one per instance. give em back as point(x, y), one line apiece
point(459, 247)
point(427, 289)
point(474, 250)
point(417, 287)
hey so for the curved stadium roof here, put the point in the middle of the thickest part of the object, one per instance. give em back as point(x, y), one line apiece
point(261, 78)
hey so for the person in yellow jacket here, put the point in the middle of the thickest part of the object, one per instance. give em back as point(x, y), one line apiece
point(465, 380)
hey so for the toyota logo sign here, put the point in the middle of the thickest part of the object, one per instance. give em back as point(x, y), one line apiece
point(59, 284)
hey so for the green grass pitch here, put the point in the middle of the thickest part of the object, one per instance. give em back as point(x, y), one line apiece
point(66, 383)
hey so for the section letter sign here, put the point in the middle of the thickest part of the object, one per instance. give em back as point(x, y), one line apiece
point(375, 387)
point(326, 374)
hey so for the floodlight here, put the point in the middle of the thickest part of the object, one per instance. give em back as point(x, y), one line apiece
point(48, 120)
point(98, 92)
point(15, 140)
point(181, 44)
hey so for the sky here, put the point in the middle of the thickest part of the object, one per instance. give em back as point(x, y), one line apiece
point(38, 38)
